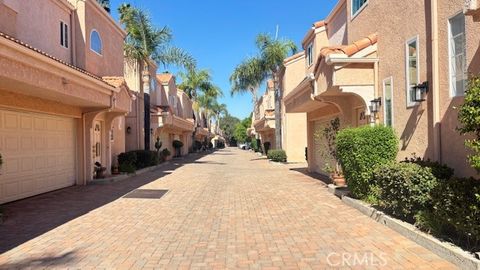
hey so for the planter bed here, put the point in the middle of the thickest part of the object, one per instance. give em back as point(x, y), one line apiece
point(446, 250)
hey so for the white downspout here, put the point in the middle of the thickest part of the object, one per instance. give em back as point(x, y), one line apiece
point(435, 83)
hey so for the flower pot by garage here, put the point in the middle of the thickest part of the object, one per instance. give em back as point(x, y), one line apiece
point(338, 180)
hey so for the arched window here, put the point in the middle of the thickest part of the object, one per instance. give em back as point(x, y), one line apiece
point(95, 42)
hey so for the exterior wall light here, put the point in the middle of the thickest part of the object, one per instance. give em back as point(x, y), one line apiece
point(375, 105)
point(374, 109)
point(421, 91)
point(129, 130)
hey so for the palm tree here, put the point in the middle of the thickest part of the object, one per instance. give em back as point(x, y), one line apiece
point(272, 53)
point(247, 77)
point(219, 110)
point(145, 41)
point(105, 4)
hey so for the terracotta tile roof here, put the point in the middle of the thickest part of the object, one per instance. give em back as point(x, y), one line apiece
point(165, 77)
point(319, 24)
point(7, 37)
point(115, 81)
point(351, 49)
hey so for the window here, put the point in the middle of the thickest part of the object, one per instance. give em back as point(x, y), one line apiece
point(95, 42)
point(310, 54)
point(357, 6)
point(388, 101)
point(64, 34)
point(412, 69)
point(458, 69)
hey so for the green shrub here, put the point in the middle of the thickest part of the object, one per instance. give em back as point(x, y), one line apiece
point(456, 210)
point(177, 144)
point(360, 150)
point(277, 155)
point(404, 189)
point(254, 145)
point(166, 153)
point(441, 171)
point(197, 145)
point(127, 160)
point(138, 159)
point(469, 117)
point(220, 145)
point(126, 168)
point(146, 159)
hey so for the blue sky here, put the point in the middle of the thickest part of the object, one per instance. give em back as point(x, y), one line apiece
point(220, 33)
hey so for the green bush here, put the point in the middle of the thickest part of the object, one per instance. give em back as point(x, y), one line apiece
point(469, 118)
point(456, 210)
point(137, 159)
point(277, 155)
point(404, 189)
point(126, 168)
point(441, 171)
point(177, 144)
point(220, 145)
point(197, 145)
point(254, 145)
point(166, 153)
point(360, 150)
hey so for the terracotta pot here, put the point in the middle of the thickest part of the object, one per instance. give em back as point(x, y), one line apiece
point(339, 180)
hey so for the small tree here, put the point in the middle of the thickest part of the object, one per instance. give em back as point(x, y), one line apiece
point(158, 144)
point(469, 117)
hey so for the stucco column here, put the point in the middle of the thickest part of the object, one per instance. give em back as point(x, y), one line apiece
point(109, 118)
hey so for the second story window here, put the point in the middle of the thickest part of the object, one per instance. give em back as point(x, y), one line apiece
point(357, 6)
point(413, 71)
point(95, 42)
point(310, 54)
point(458, 66)
point(64, 34)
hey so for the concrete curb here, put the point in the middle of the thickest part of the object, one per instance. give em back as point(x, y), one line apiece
point(445, 250)
point(338, 191)
point(122, 177)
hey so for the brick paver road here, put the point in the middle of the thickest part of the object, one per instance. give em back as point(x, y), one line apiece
point(229, 210)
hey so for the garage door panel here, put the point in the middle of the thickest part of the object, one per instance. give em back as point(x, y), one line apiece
point(39, 154)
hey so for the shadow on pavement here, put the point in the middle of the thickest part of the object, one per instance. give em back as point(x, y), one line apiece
point(45, 261)
point(31, 217)
point(326, 180)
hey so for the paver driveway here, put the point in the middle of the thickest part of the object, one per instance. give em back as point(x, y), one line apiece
point(229, 209)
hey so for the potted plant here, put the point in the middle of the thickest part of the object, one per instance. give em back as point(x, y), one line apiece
point(99, 170)
point(329, 133)
point(177, 145)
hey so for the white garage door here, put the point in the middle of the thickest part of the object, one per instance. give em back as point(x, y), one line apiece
point(38, 153)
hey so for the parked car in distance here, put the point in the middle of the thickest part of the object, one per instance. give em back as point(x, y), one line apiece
point(244, 146)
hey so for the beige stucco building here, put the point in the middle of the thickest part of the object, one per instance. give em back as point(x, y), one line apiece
point(373, 50)
point(263, 118)
point(62, 95)
point(171, 115)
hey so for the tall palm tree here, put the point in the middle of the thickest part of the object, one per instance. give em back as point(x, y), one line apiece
point(196, 83)
point(105, 4)
point(219, 110)
point(247, 77)
point(145, 41)
point(272, 53)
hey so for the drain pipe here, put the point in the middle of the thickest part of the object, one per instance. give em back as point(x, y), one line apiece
point(435, 82)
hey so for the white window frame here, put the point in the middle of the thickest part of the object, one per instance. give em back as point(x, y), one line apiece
point(64, 35)
point(416, 39)
point(453, 92)
point(101, 42)
point(310, 54)
point(385, 103)
point(355, 14)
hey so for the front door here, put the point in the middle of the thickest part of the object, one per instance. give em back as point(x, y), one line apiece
point(97, 142)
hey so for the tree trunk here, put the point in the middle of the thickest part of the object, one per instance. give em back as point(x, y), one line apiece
point(278, 112)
